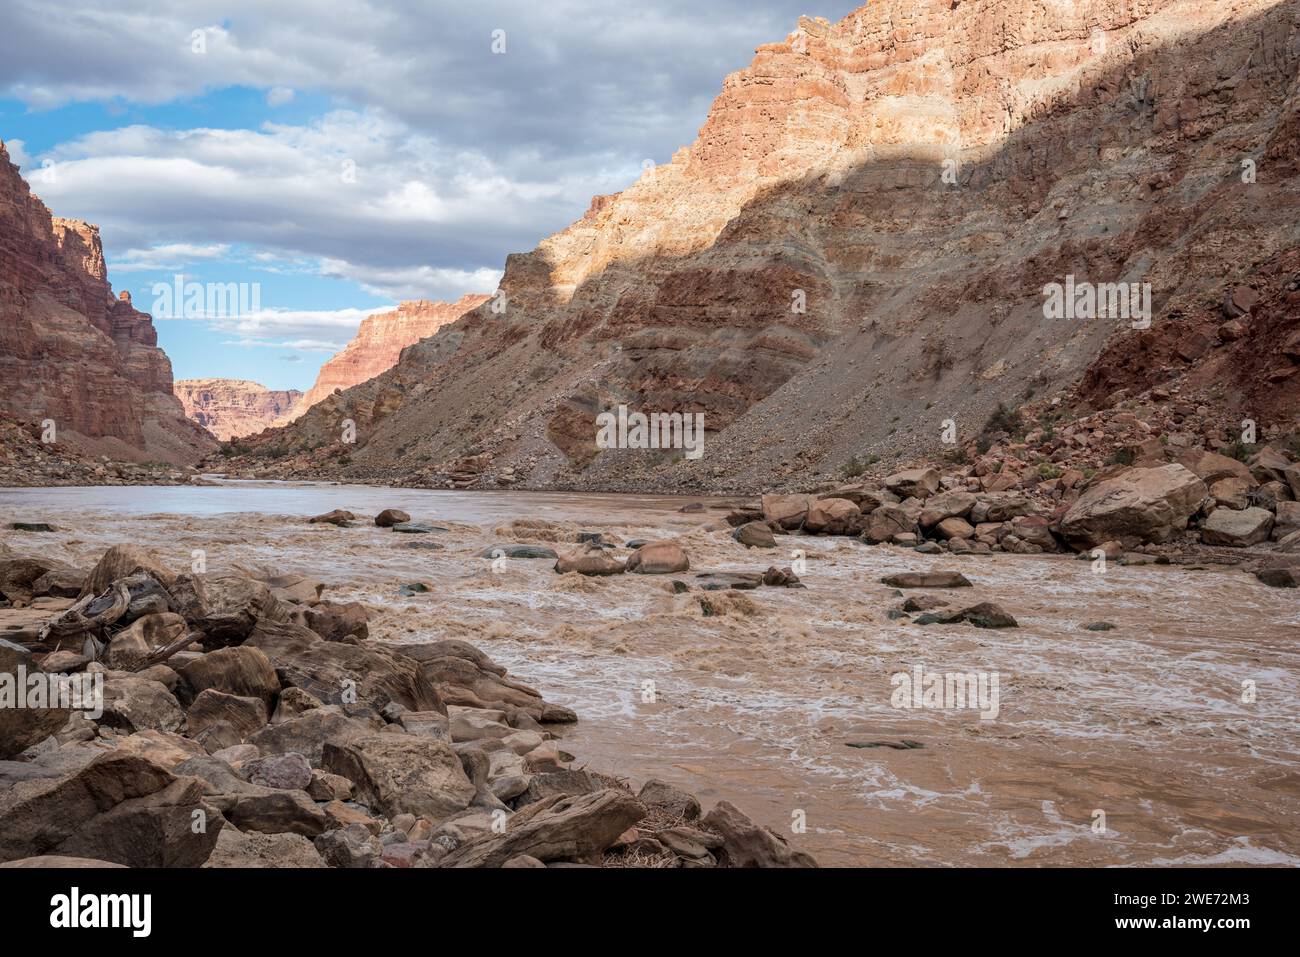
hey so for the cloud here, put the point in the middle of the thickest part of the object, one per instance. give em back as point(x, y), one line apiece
point(167, 256)
point(357, 195)
point(279, 96)
point(577, 75)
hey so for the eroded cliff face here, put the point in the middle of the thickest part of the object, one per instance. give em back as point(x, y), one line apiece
point(73, 353)
point(230, 408)
point(380, 340)
point(854, 250)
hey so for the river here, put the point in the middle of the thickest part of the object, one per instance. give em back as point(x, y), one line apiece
point(1145, 729)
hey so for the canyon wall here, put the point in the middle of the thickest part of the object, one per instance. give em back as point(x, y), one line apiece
point(230, 408)
point(379, 343)
point(72, 353)
point(853, 252)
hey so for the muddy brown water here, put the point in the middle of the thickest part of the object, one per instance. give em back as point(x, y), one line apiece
point(758, 702)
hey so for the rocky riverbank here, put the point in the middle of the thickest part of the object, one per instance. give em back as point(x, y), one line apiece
point(245, 720)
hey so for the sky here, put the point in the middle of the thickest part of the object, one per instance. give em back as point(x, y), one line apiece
point(331, 158)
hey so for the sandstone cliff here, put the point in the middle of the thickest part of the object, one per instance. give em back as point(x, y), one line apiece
point(73, 353)
point(853, 252)
point(379, 343)
point(229, 408)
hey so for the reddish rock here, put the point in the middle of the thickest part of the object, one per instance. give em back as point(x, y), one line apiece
point(379, 343)
point(86, 359)
point(229, 408)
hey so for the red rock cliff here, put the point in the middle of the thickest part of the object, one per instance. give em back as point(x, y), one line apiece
point(71, 351)
point(379, 343)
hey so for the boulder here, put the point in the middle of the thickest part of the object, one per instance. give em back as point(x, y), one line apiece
point(1210, 467)
point(954, 528)
point(1286, 520)
point(244, 671)
point(287, 772)
point(592, 561)
point(788, 511)
point(658, 558)
point(937, 579)
point(252, 807)
point(670, 799)
point(1138, 505)
point(746, 844)
point(334, 621)
point(138, 704)
point(351, 847)
point(163, 748)
point(954, 504)
point(119, 808)
point(914, 483)
point(1238, 529)
point(887, 521)
point(1280, 576)
point(233, 605)
point(518, 551)
point(23, 578)
point(342, 673)
point(122, 561)
point(390, 517)
point(338, 516)
point(20, 728)
point(833, 516)
point(402, 773)
point(575, 828)
point(235, 848)
point(1232, 492)
point(144, 636)
point(465, 676)
point(755, 535)
point(307, 734)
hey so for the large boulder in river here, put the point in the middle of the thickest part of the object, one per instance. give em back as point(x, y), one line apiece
point(755, 535)
point(390, 517)
point(1228, 526)
point(119, 807)
point(338, 672)
point(833, 516)
point(592, 561)
point(788, 511)
point(658, 558)
point(1139, 505)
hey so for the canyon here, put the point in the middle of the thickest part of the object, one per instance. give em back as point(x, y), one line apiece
point(229, 408)
point(83, 369)
point(853, 251)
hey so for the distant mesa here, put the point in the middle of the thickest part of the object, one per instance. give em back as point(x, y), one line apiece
point(379, 342)
point(230, 408)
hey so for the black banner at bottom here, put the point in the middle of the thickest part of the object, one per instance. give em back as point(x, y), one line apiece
point(337, 906)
